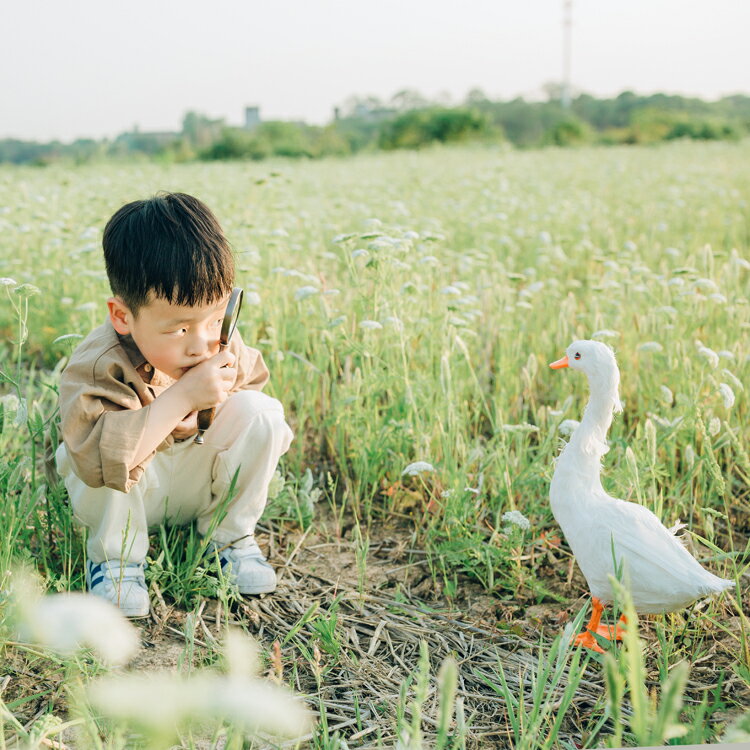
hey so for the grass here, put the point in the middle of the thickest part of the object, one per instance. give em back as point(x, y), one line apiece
point(407, 306)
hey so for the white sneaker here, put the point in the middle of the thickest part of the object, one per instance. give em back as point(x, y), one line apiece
point(123, 584)
point(246, 567)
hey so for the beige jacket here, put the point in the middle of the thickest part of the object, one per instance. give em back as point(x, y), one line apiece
point(105, 392)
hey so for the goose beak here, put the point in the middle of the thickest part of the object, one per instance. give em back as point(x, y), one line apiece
point(560, 363)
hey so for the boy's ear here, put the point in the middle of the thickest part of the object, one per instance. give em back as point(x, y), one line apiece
point(120, 315)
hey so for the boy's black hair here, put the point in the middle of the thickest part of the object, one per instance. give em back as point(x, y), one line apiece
point(170, 244)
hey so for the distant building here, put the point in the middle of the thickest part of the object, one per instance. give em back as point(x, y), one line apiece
point(252, 117)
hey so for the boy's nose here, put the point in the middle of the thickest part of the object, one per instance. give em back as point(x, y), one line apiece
point(202, 345)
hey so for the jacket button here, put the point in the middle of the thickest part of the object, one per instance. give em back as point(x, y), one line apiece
point(148, 368)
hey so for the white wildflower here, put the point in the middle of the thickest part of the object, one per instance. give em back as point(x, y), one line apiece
point(650, 346)
point(727, 395)
point(718, 298)
point(337, 321)
point(714, 426)
point(392, 320)
point(429, 260)
point(411, 235)
point(666, 395)
point(65, 623)
point(605, 333)
point(331, 292)
point(251, 298)
point(545, 237)
point(709, 355)
point(6, 281)
point(165, 701)
point(667, 310)
point(66, 300)
point(371, 325)
point(524, 428)
point(12, 405)
point(630, 246)
point(304, 292)
point(10, 402)
point(360, 252)
point(726, 354)
point(26, 290)
point(445, 494)
point(451, 290)
point(417, 468)
point(279, 233)
point(86, 307)
point(733, 379)
point(343, 237)
point(567, 426)
point(705, 285)
point(381, 243)
point(516, 518)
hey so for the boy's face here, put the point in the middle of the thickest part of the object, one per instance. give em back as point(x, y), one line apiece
point(173, 338)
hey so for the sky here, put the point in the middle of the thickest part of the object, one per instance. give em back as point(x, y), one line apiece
point(87, 68)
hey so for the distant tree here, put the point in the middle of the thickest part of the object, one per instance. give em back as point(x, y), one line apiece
point(421, 127)
point(408, 99)
point(476, 98)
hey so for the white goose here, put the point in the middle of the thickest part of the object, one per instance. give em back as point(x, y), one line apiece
point(662, 575)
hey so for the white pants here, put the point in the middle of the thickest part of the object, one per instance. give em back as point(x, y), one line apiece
point(189, 481)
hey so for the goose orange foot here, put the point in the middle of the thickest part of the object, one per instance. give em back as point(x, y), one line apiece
point(587, 640)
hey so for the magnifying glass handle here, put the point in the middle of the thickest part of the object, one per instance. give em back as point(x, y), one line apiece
point(206, 416)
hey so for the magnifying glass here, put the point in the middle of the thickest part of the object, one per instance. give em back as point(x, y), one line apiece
point(232, 314)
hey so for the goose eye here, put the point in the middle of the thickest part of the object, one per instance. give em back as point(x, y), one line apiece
point(577, 355)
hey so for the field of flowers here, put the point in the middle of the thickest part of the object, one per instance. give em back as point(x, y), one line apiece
point(407, 305)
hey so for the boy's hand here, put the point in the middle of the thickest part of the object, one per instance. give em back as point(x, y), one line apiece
point(208, 383)
point(186, 428)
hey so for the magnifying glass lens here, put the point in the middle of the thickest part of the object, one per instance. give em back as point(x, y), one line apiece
point(232, 314)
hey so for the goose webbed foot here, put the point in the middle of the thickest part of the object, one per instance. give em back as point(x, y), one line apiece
point(587, 640)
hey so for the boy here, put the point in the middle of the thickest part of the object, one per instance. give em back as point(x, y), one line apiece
point(130, 395)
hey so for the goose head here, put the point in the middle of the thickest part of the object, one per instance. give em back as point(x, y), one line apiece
point(597, 361)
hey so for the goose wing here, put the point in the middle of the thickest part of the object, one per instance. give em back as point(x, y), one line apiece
point(662, 575)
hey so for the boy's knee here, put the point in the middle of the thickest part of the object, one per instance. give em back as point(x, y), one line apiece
point(265, 420)
point(246, 405)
